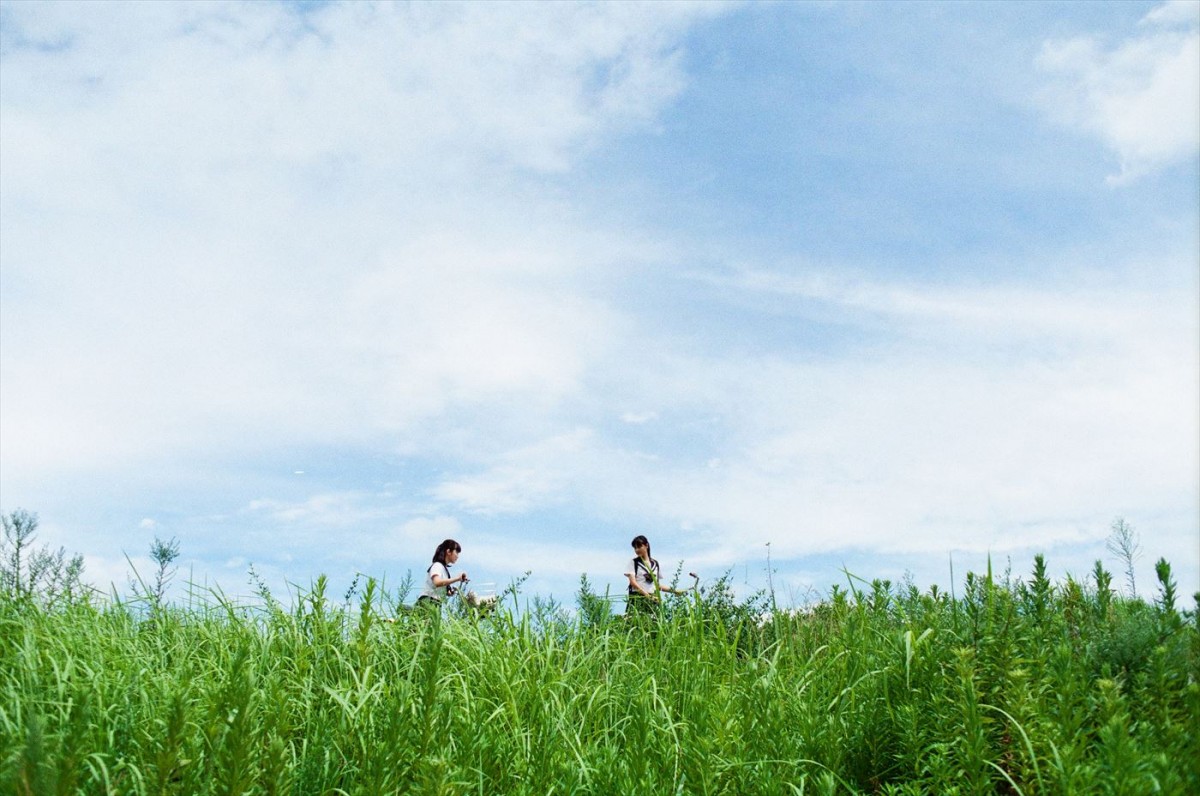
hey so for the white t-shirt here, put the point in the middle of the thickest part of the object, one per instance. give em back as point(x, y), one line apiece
point(646, 578)
point(429, 590)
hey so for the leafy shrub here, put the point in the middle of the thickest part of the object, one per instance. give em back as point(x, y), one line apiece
point(29, 574)
point(869, 691)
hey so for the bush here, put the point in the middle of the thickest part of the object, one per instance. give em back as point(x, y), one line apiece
point(37, 575)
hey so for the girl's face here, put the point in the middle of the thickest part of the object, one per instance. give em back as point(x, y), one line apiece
point(451, 556)
point(641, 550)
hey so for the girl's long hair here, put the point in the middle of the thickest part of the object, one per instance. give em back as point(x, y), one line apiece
point(439, 555)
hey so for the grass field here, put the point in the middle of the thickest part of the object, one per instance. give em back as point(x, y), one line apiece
point(1016, 685)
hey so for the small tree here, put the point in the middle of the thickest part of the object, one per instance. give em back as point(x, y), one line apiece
point(27, 573)
point(164, 555)
point(1125, 543)
point(594, 610)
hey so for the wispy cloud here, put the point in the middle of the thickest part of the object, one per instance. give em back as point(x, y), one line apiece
point(1141, 95)
point(435, 258)
point(523, 479)
point(272, 224)
point(977, 410)
point(380, 83)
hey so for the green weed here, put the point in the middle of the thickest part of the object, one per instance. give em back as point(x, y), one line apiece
point(1030, 688)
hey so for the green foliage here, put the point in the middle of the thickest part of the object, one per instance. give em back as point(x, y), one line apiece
point(1125, 543)
point(29, 574)
point(163, 554)
point(1031, 688)
point(594, 610)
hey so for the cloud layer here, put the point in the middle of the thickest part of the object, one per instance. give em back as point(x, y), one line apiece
point(1141, 96)
point(320, 224)
point(315, 287)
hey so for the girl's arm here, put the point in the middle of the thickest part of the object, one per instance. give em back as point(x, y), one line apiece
point(695, 585)
point(439, 581)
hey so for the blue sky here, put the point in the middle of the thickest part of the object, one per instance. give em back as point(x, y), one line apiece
point(884, 286)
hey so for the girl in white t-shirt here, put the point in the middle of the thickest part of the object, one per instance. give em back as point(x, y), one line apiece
point(645, 579)
point(437, 578)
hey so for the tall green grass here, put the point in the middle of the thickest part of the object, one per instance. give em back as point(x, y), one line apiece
point(1015, 686)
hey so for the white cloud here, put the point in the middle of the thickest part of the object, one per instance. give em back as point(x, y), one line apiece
point(208, 90)
point(523, 479)
point(1140, 96)
point(1174, 13)
point(228, 228)
point(329, 509)
point(985, 408)
point(1074, 305)
point(108, 574)
point(638, 418)
point(379, 527)
point(271, 225)
point(416, 539)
